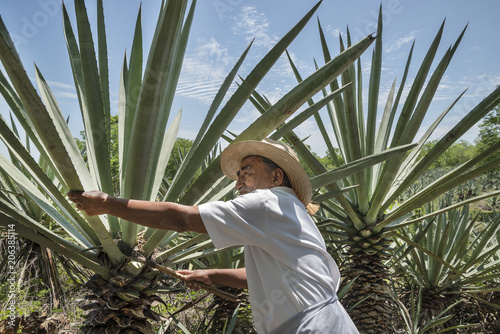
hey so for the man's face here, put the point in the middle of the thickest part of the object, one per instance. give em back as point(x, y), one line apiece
point(254, 174)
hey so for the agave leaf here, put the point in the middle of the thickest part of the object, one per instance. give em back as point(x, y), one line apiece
point(97, 134)
point(238, 99)
point(390, 169)
point(152, 110)
point(17, 108)
point(389, 227)
point(458, 130)
point(50, 241)
point(164, 155)
point(71, 227)
point(67, 138)
point(407, 166)
point(280, 111)
point(103, 65)
point(192, 162)
point(36, 110)
point(123, 135)
point(317, 117)
point(313, 109)
point(184, 245)
point(374, 87)
point(131, 80)
point(356, 166)
point(171, 84)
point(30, 165)
point(149, 112)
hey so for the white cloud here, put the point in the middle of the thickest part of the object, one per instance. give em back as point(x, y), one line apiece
point(254, 24)
point(204, 70)
point(400, 42)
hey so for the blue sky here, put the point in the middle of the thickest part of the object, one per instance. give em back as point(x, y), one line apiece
point(223, 28)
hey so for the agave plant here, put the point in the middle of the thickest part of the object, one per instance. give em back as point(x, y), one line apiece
point(123, 290)
point(446, 256)
point(368, 214)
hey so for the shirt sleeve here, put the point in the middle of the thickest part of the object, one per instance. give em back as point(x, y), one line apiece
point(238, 222)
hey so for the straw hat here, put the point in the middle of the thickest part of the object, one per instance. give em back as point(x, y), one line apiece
point(279, 153)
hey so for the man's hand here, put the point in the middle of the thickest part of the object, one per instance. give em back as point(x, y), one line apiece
point(194, 276)
point(234, 278)
point(92, 202)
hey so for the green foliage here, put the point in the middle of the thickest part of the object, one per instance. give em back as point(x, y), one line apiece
point(489, 134)
point(179, 152)
point(455, 155)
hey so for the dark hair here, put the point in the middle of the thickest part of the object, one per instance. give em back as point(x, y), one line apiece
point(272, 166)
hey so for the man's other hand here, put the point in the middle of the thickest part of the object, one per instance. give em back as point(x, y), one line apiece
point(192, 278)
point(92, 202)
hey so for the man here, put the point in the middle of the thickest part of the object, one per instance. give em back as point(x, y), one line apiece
point(291, 278)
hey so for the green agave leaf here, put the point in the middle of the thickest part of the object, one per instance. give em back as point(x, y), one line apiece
point(103, 65)
point(31, 230)
point(317, 117)
point(30, 165)
point(374, 87)
point(356, 166)
point(304, 115)
point(123, 134)
point(280, 111)
point(337, 114)
point(332, 194)
point(17, 108)
point(164, 156)
point(240, 96)
point(62, 128)
point(458, 130)
point(130, 81)
point(386, 225)
point(182, 246)
point(386, 122)
point(197, 255)
point(407, 166)
point(70, 226)
point(201, 246)
point(389, 171)
point(152, 109)
point(171, 83)
point(149, 106)
point(36, 110)
point(95, 111)
point(192, 161)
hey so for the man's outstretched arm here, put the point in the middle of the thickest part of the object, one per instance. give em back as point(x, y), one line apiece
point(160, 215)
point(234, 278)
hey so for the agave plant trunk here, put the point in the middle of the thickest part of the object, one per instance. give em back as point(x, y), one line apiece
point(370, 299)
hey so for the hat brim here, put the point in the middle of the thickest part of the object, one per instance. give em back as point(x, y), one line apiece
point(283, 156)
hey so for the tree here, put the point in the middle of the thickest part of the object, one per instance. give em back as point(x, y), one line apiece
point(489, 134)
point(455, 155)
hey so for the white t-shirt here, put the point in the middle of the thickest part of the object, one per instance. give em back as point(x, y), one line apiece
point(287, 265)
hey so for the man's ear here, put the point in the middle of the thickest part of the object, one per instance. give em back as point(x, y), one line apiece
point(278, 177)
